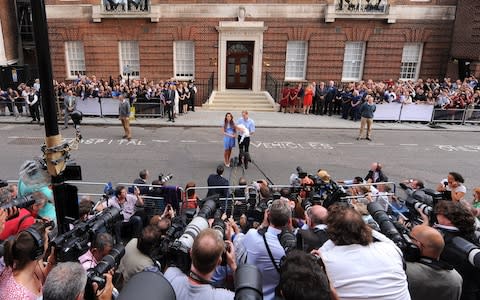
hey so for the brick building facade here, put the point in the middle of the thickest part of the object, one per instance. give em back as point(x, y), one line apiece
point(240, 42)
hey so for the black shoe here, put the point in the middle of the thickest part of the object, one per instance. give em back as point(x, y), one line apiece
point(359, 138)
point(65, 127)
point(124, 137)
point(173, 121)
point(369, 139)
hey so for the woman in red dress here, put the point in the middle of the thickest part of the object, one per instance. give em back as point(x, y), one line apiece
point(293, 98)
point(307, 99)
point(285, 98)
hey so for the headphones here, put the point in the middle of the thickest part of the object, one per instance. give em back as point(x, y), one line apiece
point(37, 251)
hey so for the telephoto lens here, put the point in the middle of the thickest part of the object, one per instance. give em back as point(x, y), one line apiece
point(248, 283)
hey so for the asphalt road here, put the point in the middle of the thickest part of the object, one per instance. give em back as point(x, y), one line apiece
point(194, 153)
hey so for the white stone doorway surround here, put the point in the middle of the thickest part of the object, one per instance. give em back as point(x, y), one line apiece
point(240, 31)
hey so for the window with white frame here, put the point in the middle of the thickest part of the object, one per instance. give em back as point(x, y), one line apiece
point(411, 58)
point(184, 59)
point(129, 58)
point(296, 61)
point(75, 59)
point(353, 61)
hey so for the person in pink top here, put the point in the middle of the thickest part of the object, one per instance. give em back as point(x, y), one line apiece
point(25, 272)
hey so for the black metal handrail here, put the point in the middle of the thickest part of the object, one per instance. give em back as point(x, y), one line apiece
point(272, 86)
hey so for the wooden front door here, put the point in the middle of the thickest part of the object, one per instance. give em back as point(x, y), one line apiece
point(239, 64)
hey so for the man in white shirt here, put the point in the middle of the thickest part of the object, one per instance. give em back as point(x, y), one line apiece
point(256, 243)
point(357, 267)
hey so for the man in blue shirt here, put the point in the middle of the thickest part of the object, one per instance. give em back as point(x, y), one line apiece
point(250, 125)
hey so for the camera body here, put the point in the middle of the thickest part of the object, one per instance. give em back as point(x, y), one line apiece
point(95, 275)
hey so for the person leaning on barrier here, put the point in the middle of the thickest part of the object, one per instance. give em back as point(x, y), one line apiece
point(375, 269)
point(375, 174)
point(142, 179)
point(101, 246)
point(206, 254)
point(218, 180)
point(455, 220)
point(429, 277)
point(302, 278)
point(131, 223)
point(259, 244)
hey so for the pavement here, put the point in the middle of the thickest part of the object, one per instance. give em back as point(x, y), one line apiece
point(207, 118)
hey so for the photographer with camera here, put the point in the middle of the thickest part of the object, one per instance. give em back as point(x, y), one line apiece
point(447, 283)
point(264, 248)
point(452, 187)
point(139, 253)
point(454, 220)
point(26, 217)
point(67, 282)
point(315, 233)
point(375, 269)
point(206, 254)
point(101, 246)
point(132, 224)
point(25, 271)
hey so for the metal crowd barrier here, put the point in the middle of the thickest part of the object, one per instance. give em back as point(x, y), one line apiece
point(460, 116)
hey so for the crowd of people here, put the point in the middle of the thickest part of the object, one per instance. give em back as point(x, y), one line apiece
point(174, 97)
point(345, 99)
point(306, 242)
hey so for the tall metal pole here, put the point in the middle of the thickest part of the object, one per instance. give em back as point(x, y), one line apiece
point(40, 30)
point(64, 194)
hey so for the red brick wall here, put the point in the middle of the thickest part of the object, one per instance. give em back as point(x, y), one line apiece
point(326, 45)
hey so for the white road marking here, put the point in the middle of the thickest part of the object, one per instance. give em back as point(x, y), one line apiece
point(188, 141)
point(26, 137)
point(160, 141)
point(345, 143)
point(408, 144)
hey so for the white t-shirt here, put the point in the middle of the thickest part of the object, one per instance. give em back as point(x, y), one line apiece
point(459, 189)
point(366, 272)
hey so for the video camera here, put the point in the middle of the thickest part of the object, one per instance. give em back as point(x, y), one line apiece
point(74, 243)
point(96, 274)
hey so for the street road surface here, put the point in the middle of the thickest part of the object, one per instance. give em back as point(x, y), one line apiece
point(193, 153)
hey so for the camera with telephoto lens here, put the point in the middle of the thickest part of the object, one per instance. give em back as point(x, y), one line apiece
point(391, 230)
point(22, 202)
point(178, 253)
point(420, 200)
point(74, 243)
point(96, 274)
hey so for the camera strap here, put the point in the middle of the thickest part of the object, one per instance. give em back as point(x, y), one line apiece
point(195, 277)
point(270, 254)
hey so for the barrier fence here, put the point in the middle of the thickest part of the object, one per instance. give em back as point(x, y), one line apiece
point(153, 107)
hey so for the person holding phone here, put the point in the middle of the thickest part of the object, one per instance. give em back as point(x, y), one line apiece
point(452, 187)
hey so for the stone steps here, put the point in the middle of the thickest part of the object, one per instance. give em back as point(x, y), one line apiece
point(240, 100)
